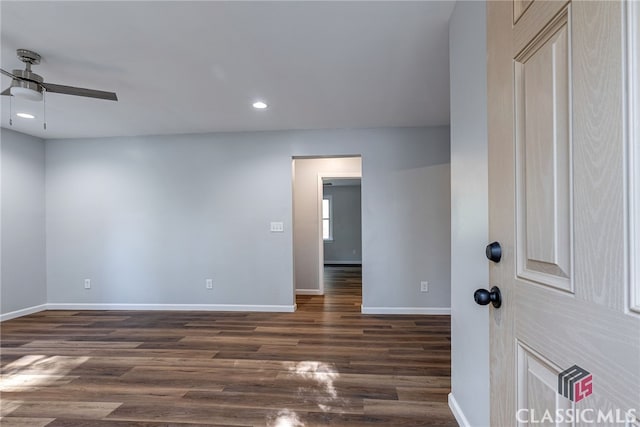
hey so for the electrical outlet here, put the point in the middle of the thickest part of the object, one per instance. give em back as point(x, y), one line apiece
point(424, 286)
point(87, 283)
point(209, 283)
point(277, 227)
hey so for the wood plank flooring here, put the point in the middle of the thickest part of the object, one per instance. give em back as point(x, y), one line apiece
point(326, 364)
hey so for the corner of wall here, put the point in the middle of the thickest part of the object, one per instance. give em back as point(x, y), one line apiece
point(457, 412)
point(22, 223)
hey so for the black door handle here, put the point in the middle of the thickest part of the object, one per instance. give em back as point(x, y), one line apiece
point(484, 297)
point(493, 251)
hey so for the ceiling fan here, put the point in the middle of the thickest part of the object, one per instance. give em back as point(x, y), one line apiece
point(29, 85)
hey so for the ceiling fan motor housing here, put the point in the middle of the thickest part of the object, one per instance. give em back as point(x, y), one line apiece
point(29, 88)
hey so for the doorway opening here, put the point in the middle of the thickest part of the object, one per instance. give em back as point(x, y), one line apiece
point(342, 291)
point(327, 226)
point(340, 240)
point(342, 243)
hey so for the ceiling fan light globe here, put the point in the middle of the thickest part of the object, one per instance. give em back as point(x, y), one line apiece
point(26, 93)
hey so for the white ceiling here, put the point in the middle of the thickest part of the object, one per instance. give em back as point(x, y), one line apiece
point(191, 67)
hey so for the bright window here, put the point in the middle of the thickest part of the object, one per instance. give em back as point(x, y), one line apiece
point(327, 218)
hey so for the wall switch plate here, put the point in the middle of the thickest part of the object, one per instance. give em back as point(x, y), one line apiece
point(209, 283)
point(87, 283)
point(277, 227)
point(424, 286)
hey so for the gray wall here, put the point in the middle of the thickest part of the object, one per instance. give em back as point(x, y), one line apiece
point(406, 223)
point(306, 211)
point(346, 246)
point(22, 222)
point(149, 218)
point(469, 211)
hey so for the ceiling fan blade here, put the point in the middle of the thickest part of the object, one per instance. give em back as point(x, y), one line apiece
point(7, 91)
point(8, 74)
point(79, 91)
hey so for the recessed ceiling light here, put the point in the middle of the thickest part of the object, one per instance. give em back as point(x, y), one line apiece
point(259, 105)
point(26, 115)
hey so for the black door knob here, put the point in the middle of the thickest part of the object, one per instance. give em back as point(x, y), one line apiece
point(493, 251)
point(484, 297)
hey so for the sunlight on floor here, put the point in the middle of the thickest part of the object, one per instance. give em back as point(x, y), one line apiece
point(321, 390)
point(319, 372)
point(286, 418)
point(38, 371)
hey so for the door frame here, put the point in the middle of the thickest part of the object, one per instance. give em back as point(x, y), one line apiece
point(321, 177)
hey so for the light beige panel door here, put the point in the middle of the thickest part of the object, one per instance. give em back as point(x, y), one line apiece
point(561, 205)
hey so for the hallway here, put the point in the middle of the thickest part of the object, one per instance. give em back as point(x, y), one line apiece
point(343, 291)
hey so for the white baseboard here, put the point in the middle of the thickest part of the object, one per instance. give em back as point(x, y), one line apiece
point(308, 292)
point(143, 307)
point(355, 262)
point(23, 312)
point(441, 311)
point(172, 307)
point(457, 412)
point(217, 307)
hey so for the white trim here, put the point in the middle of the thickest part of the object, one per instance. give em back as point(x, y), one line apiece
point(22, 312)
point(457, 412)
point(441, 311)
point(172, 307)
point(308, 292)
point(632, 163)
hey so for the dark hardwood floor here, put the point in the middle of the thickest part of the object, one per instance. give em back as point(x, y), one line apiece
point(326, 364)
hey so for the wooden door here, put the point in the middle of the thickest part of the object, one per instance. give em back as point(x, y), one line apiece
point(562, 89)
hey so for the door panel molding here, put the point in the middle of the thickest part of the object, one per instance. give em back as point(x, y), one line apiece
point(544, 181)
point(519, 8)
point(535, 17)
point(633, 151)
point(537, 383)
point(556, 329)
